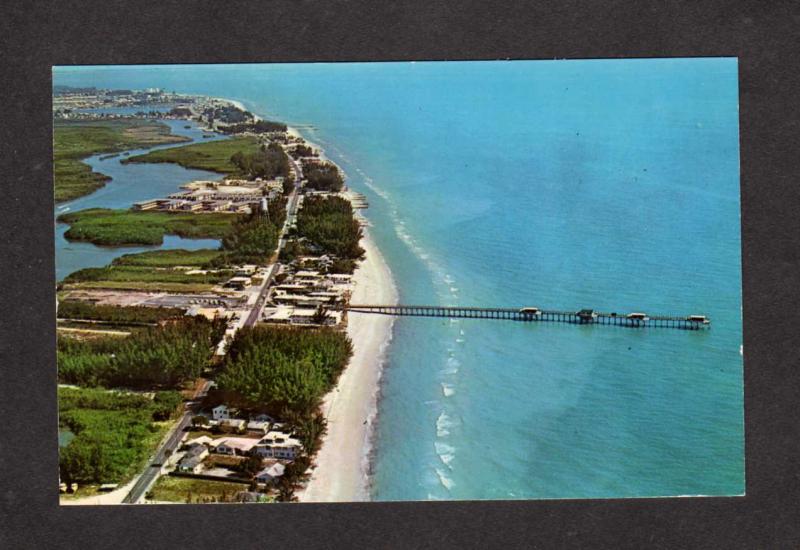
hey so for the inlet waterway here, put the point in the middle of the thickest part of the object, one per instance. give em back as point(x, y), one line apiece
point(130, 183)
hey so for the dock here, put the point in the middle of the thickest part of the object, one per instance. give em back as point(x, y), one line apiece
point(532, 314)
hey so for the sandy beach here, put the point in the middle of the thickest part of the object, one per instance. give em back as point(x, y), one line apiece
point(341, 464)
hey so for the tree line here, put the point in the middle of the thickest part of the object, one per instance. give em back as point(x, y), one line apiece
point(322, 176)
point(157, 357)
point(254, 238)
point(284, 371)
point(329, 225)
point(269, 162)
point(75, 309)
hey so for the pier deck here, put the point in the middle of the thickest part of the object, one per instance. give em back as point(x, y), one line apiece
point(582, 317)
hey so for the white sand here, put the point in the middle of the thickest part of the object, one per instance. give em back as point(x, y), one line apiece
point(341, 471)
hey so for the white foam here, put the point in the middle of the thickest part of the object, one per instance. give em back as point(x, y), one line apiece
point(443, 425)
point(447, 389)
point(459, 340)
point(445, 452)
point(444, 480)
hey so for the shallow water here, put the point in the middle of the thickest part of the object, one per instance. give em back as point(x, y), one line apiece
point(130, 183)
point(604, 184)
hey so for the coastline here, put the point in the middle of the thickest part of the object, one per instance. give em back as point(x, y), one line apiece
point(342, 463)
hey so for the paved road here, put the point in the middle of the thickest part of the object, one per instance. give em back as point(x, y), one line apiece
point(153, 470)
point(252, 317)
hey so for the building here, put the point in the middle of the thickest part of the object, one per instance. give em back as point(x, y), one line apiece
point(235, 446)
point(192, 461)
point(261, 428)
point(238, 283)
point(232, 424)
point(270, 473)
point(277, 445)
point(220, 412)
point(146, 205)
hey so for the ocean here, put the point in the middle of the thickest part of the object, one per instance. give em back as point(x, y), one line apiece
point(611, 185)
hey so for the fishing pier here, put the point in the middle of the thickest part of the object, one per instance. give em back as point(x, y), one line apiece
point(533, 314)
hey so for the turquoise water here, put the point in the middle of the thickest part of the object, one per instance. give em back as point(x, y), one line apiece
point(604, 184)
point(129, 183)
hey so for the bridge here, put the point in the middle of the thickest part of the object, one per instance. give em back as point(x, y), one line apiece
point(532, 314)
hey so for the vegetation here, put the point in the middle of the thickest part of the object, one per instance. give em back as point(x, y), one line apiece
point(285, 371)
point(114, 432)
point(145, 274)
point(303, 151)
point(227, 113)
point(74, 309)
point(193, 490)
point(268, 162)
point(203, 257)
point(76, 140)
point(214, 156)
point(160, 357)
point(329, 225)
point(120, 227)
point(258, 127)
point(254, 238)
point(142, 286)
point(323, 176)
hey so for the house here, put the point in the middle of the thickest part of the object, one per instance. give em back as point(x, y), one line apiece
point(202, 440)
point(191, 465)
point(270, 473)
point(232, 424)
point(239, 283)
point(197, 450)
point(220, 412)
point(258, 427)
point(235, 446)
point(277, 445)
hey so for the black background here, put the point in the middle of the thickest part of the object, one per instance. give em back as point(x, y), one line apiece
point(764, 35)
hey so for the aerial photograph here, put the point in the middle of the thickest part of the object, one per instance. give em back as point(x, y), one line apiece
point(398, 281)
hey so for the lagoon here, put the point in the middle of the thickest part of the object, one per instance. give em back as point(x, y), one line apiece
point(130, 183)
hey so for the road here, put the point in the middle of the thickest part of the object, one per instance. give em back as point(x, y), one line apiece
point(291, 212)
point(153, 470)
point(170, 444)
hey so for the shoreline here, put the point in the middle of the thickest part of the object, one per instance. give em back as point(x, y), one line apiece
point(342, 466)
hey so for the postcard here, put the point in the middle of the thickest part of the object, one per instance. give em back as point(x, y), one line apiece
point(398, 281)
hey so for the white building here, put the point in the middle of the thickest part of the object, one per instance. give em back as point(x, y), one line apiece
point(235, 446)
point(277, 445)
point(270, 473)
point(220, 412)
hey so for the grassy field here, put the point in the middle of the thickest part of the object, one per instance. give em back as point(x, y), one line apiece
point(76, 140)
point(143, 278)
point(170, 258)
point(145, 274)
point(214, 156)
point(120, 227)
point(188, 490)
point(144, 286)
